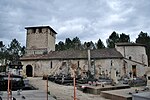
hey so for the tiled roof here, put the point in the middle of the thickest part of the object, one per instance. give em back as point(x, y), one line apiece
point(76, 54)
point(129, 44)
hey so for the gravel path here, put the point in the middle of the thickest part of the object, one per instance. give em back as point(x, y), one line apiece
point(62, 92)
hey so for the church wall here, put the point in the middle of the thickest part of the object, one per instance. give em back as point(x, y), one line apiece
point(44, 67)
point(140, 69)
point(136, 53)
point(102, 66)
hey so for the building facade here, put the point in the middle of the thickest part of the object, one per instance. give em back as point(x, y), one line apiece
point(40, 40)
point(128, 59)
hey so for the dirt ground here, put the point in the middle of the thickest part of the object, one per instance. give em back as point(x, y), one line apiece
point(62, 92)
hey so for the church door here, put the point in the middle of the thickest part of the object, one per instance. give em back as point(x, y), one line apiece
point(29, 70)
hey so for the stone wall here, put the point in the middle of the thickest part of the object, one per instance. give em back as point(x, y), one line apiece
point(40, 40)
point(43, 67)
point(135, 53)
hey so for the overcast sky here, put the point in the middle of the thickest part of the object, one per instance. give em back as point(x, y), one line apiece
point(87, 19)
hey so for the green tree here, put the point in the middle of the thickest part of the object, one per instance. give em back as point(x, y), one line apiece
point(113, 38)
point(143, 38)
point(4, 54)
point(2, 50)
point(68, 43)
point(100, 44)
point(76, 43)
point(124, 38)
point(22, 51)
point(14, 50)
point(12, 53)
point(89, 45)
point(60, 46)
point(1, 44)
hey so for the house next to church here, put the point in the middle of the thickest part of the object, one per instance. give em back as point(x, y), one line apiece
point(41, 58)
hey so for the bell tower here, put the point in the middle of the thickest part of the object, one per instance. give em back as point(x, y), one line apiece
point(40, 40)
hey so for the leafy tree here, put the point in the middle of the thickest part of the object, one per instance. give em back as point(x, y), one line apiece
point(100, 44)
point(60, 46)
point(86, 45)
point(124, 38)
point(143, 38)
point(12, 53)
point(4, 55)
point(113, 38)
point(89, 45)
point(1, 44)
point(14, 49)
point(92, 45)
point(1, 50)
point(68, 43)
point(76, 43)
point(22, 51)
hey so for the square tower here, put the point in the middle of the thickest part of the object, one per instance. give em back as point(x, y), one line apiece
point(40, 40)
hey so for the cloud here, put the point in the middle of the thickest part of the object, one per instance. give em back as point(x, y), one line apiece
point(87, 19)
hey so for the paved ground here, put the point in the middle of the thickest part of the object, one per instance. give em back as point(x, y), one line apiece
point(62, 92)
point(27, 95)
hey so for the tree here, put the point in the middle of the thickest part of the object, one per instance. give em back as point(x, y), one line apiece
point(1, 44)
point(89, 45)
point(2, 50)
point(113, 38)
point(68, 43)
point(22, 51)
point(76, 43)
point(100, 44)
point(124, 38)
point(4, 54)
point(14, 48)
point(12, 53)
point(60, 46)
point(143, 38)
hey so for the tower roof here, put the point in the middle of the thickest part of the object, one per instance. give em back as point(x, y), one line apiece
point(107, 53)
point(33, 27)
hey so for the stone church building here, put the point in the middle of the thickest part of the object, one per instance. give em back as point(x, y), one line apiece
point(41, 58)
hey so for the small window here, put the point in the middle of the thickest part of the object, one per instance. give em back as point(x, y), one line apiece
point(51, 64)
point(130, 57)
point(78, 64)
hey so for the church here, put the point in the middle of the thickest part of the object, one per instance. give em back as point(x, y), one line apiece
point(41, 58)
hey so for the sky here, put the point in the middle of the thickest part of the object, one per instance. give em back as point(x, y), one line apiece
point(89, 20)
